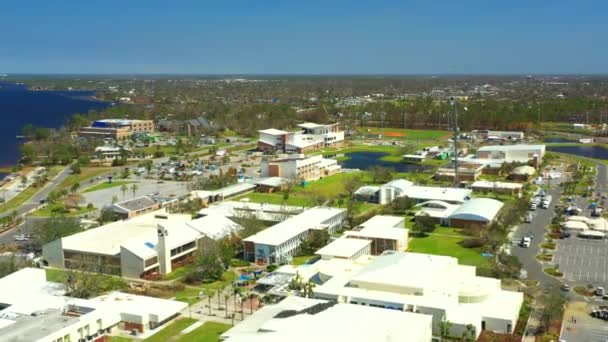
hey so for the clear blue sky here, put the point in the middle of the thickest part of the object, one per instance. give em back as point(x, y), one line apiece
point(303, 36)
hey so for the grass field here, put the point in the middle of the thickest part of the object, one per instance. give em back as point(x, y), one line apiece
point(106, 185)
point(51, 209)
point(171, 330)
point(27, 193)
point(301, 260)
point(85, 174)
point(119, 339)
point(208, 332)
point(418, 134)
point(107, 282)
point(445, 241)
point(189, 294)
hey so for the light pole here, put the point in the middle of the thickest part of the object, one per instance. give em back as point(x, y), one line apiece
point(456, 132)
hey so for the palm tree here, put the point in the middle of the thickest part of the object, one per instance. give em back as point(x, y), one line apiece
point(469, 333)
point(210, 294)
point(226, 297)
point(124, 190)
point(444, 329)
point(134, 188)
point(74, 188)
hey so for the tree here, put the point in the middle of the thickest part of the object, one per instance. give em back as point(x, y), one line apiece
point(424, 224)
point(10, 265)
point(444, 329)
point(53, 228)
point(250, 224)
point(88, 281)
point(554, 302)
point(76, 168)
point(74, 188)
point(124, 189)
point(134, 188)
point(381, 174)
point(352, 184)
point(469, 333)
point(208, 268)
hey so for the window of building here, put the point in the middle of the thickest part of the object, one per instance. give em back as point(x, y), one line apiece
point(151, 261)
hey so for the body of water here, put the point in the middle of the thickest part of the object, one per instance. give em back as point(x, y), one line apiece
point(367, 160)
point(20, 106)
point(597, 152)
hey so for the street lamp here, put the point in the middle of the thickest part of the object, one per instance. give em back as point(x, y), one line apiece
point(456, 132)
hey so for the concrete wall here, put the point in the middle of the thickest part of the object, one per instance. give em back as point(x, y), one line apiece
point(131, 265)
point(52, 252)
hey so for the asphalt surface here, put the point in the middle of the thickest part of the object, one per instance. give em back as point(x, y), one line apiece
point(34, 202)
point(527, 256)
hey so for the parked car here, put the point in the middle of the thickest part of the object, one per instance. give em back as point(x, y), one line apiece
point(565, 287)
point(564, 235)
point(528, 218)
point(525, 242)
point(545, 205)
point(599, 291)
point(533, 206)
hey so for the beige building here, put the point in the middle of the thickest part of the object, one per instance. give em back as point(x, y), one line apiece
point(116, 129)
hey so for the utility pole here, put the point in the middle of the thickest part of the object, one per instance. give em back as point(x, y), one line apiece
point(456, 132)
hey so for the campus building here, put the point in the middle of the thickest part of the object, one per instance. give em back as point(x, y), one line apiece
point(35, 310)
point(427, 284)
point(383, 194)
point(403, 188)
point(280, 242)
point(310, 136)
point(299, 167)
point(512, 153)
point(499, 135)
point(135, 207)
point(116, 129)
point(153, 243)
point(298, 319)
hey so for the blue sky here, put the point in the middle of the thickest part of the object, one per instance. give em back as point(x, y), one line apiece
point(319, 37)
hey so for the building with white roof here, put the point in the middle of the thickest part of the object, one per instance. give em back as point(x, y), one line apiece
point(345, 248)
point(297, 319)
point(499, 135)
point(299, 167)
point(132, 248)
point(439, 211)
point(278, 243)
point(428, 284)
point(34, 310)
point(476, 212)
point(512, 153)
point(383, 194)
point(271, 184)
point(311, 136)
point(497, 187)
point(135, 207)
point(430, 193)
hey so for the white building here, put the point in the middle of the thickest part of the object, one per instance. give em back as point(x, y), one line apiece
point(499, 135)
point(431, 285)
point(383, 194)
point(278, 243)
point(431, 193)
point(512, 153)
point(299, 167)
point(344, 248)
point(132, 248)
point(386, 232)
point(297, 319)
point(476, 212)
point(311, 136)
point(34, 310)
point(111, 152)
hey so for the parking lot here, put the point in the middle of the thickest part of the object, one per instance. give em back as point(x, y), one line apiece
point(583, 261)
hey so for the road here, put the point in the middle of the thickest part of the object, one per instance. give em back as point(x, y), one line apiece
point(527, 256)
point(34, 201)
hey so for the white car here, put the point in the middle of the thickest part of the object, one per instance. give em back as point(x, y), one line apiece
point(533, 206)
point(525, 242)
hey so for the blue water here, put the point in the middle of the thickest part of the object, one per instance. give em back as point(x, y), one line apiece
point(20, 106)
point(366, 160)
point(597, 152)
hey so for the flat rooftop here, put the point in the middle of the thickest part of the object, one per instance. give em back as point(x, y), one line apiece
point(273, 131)
point(344, 247)
point(310, 219)
point(427, 193)
point(135, 204)
point(516, 147)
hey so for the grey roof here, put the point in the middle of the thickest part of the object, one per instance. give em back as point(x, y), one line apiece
point(135, 204)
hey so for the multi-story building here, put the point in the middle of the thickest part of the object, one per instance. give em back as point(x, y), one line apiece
point(511, 153)
point(281, 242)
point(310, 137)
point(299, 167)
point(117, 129)
point(137, 247)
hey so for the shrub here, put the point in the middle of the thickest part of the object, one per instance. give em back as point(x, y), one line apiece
point(472, 243)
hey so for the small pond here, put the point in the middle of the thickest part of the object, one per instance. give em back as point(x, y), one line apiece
point(596, 152)
point(367, 160)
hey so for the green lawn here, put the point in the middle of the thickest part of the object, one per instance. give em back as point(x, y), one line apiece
point(171, 330)
point(119, 339)
point(178, 273)
point(400, 133)
point(27, 193)
point(445, 241)
point(51, 209)
point(295, 200)
point(208, 332)
point(190, 293)
point(301, 260)
point(106, 282)
point(85, 174)
point(106, 185)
